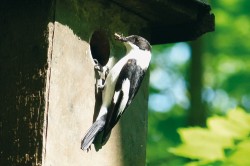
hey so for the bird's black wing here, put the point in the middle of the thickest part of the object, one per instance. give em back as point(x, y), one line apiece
point(127, 86)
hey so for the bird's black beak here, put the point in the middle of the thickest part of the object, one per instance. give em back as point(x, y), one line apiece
point(120, 37)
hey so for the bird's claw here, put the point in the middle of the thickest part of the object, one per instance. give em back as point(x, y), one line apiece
point(100, 87)
point(103, 70)
point(98, 66)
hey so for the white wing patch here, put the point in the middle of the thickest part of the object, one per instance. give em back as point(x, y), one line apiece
point(116, 95)
point(125, 89)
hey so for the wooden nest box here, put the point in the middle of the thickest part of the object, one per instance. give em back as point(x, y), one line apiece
point(47, 79)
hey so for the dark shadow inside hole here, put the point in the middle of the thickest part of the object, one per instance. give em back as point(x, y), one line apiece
point(99, 46)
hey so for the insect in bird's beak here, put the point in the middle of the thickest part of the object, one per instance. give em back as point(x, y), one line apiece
point(120, 37)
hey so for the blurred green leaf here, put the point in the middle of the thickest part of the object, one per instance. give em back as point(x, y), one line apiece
point(236, 125)
point(223, 127)
point(240, 118)
point(241, 155)
point(203, 152)
point(225, 142)
point(203, 136)
point(195, 139)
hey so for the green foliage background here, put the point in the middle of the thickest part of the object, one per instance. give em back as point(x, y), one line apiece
point(226, 85)
point(225, 141)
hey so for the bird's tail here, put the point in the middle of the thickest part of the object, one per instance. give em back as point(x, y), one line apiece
point(92, 132)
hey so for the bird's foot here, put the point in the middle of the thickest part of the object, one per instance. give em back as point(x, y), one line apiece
point(102, 70)
point(98, 66)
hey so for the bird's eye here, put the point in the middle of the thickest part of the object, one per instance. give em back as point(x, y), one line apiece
point(136, 40)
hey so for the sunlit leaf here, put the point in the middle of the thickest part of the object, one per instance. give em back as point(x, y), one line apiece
point(225, 142)
point(236, 126)
point(200, 143)
point(241, 155)
point(206, 152)
point(223, 127)
point(203, 136)
point(241, 119)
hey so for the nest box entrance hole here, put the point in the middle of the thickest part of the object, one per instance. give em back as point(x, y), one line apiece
point(100, 50)
point(99, 46)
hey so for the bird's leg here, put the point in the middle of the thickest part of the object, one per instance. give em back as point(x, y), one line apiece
point(100, 81)
point(103, 72)
point(100, 84)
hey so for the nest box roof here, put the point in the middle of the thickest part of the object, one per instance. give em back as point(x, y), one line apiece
point(173, 20)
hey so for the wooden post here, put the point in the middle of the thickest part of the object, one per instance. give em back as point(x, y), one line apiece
point(197, 113)
point(23, 63)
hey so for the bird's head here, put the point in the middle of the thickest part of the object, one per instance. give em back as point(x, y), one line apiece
point(134, 42)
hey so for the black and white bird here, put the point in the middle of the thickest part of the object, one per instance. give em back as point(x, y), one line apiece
point(120, 87)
